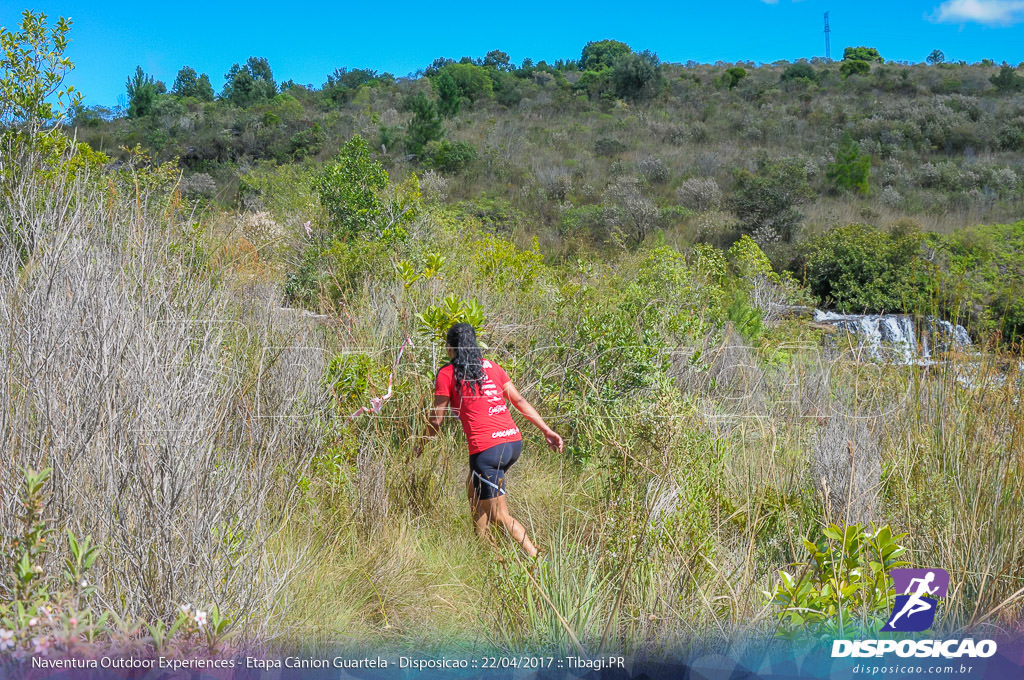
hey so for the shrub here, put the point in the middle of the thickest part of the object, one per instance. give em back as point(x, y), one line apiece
point(766, 202)
point(607, 147)
point(860, 268)
point(854, 67)
point(843, 588)
point(732, 76)
point(653, 170)
point(637, 76)
point(799, 71)
point(632, 211)
point(700, 193)
point(584, 221)
point(448, 157)
point(865, 54)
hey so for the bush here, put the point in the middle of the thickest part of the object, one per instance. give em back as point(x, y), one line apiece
point(607, 147)
point(732, 76)
point(653, 170)
point(865, 54)
point(843, 589)
point(766, 202)
point(425, 125)
point(854, 67)
point(448, 157)
point(860, 268)
point(585, 221)
point(700, 193)
point(799, 72)
point(637, 76)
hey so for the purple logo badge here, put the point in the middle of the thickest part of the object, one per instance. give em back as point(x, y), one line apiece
point(921, 589)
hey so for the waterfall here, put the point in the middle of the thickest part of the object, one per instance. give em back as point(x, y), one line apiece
point(895, 338)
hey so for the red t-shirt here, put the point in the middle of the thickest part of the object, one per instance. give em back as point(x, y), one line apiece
point(484, 415)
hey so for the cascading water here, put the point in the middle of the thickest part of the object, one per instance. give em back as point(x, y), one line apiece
point(895, 338)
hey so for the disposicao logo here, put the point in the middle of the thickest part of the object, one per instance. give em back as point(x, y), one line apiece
point(913, 612)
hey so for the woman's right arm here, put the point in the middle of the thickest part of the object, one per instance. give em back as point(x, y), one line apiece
point(434, 419)
point(530, 413)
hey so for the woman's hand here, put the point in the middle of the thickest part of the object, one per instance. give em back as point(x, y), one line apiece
point(553, 440)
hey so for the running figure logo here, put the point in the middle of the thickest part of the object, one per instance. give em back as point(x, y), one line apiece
point(914, 610)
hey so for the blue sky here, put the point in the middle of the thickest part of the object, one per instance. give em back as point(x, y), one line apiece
point(308, 40)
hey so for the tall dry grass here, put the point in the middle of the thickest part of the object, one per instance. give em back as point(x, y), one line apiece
point(154, 392)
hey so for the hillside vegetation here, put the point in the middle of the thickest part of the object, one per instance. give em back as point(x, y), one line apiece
point(186, 350)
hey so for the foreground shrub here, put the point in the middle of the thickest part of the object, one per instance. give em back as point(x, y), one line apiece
point(843, 588)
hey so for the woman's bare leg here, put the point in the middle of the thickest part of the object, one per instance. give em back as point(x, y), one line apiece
point(479, 515)
point(495, 510)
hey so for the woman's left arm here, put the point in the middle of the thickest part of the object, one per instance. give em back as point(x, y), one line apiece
point(530, 413)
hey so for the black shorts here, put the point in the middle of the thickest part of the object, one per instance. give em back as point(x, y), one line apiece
point(488, 468)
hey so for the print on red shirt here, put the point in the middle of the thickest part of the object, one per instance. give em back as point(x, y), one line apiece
point(484, 415)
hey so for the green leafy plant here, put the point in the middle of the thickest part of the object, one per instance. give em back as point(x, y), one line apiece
point(435, 320)
point(409, 275)
point(32, 72)
point(843, 586)
point(350, 190)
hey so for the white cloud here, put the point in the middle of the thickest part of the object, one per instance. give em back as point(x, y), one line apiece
point(993, 12)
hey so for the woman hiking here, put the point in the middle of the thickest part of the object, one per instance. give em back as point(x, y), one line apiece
point(475, 389)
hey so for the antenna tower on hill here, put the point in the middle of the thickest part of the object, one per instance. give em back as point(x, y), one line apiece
point(828, 46)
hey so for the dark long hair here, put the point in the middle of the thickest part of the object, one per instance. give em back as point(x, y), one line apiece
point(468, 362)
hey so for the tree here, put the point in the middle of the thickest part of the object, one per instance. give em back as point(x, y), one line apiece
point(637, 76)
point(344, 82)
point(854, 67)
point(449, 101)
point(766, 202)
point(249, 84)
point(852, 169)
point(857, 60)
point(1007, 80)
point(349, 189)
point(733, 76)
point(497, 59)
point(602, 53)
point(425, 125)
point(142, 91)
point(867, 54)
point(473, 81)
point(33, 69)
point(936, 57)
point(188, 83)
point(436, 66)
